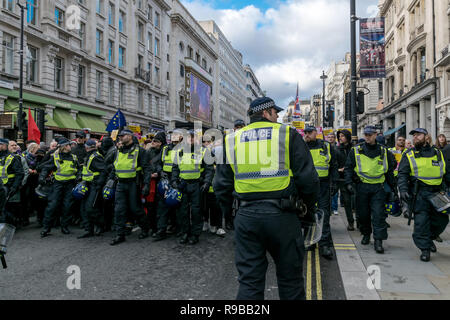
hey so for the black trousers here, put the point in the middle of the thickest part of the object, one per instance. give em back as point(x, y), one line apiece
point(324, 204)
point(346, 198)
point(370, 207)
point(2, 203)
point(213, 212)
point(128, 198)
point(91, 208)
point(263, 228)
point(61, 199)
point(190, 221)
point(428, 223)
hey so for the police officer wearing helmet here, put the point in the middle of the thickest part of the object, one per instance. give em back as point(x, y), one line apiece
point(266, 218)
point(65, 168)
point(369, 165)
point(130, 160)
point(325, 161)
point(425, 166)
point(93, 175)
point(186, 177)
point(11, 176)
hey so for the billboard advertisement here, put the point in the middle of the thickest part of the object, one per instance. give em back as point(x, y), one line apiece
point(372, 54)
point(200, 98)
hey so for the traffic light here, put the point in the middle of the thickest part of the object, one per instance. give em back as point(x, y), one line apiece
point(348, 106)
point(41, 121)
point(360, 102)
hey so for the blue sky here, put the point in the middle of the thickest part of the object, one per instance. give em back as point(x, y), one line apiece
point(285, 41)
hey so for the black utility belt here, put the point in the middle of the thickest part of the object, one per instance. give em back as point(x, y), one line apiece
point(284, 204)
point(191, 181)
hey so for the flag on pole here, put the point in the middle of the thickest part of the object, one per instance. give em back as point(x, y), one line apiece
point(33, 130)
point(117, 122)
point(297, 110)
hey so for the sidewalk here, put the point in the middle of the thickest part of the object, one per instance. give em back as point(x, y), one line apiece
point(403, 275)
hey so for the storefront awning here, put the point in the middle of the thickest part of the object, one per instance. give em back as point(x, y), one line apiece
point(392, 131)
point(65, 120)
point(92, 122)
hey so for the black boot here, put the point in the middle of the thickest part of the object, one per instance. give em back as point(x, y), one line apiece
point(229, 225)
point(350, 227)
point(193, 240)
point(160, 235)
point(184, 239)
point(327, 253)
point(99, 231)
point(143, 235)
point(425, 256)
point(433, 247)
point(117, 240)
point(378, 246)
point(45, 232)
point(65, 230)
point(87, 234)
point(366, 239)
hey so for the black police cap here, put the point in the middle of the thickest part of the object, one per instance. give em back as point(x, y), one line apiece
point(261, 104)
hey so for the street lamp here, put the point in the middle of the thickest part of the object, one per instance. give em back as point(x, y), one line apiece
point(23, 7)
point(354, 77)
point(323, 77)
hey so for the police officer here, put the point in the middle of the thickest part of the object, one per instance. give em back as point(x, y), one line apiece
point(79, 149)
point(369, 165)
point(130, 162)
point(398, 151)
point(239, 124)
point(93, 175)
point(186, 173)
point(12, 174)
point(263, 185)
point(425, 166)
point(325, 162)
point(65, 168)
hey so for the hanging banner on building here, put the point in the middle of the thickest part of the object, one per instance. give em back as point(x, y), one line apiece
point(198, 98)
point(372, 54)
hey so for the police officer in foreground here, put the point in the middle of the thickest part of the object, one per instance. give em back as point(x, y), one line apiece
point(266, 220)
point(422, 173)
point(186, 177)
point(325, 162)
point(12, 174)
point(65, 168)
point(93, 175)
point(130, 161)
point(369, 165)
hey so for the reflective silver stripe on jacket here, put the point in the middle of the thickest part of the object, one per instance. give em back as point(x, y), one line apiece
point(358, 160)
point(282, 170)
point(133, 166)
point(416, 168)
point(58, 166)
point(8, 161)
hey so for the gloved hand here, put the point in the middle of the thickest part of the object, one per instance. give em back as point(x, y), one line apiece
point(405, 196)
point(334, 189)
point(350, 189)
point(146, 190)
point(205, 187)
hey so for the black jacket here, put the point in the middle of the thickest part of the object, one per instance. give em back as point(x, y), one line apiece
point(15, 168)
point(370, 151)
point(143, 162)
point(49, 166)
point(97, 165)
point(406, 181)
point(154, 155)
point(333, 175)
point(80, 151)
point(342, 152)
point(304, 182)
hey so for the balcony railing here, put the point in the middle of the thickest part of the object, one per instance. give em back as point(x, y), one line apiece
point(143, 75)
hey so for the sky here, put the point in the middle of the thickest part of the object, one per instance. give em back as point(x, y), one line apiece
point(285, 41)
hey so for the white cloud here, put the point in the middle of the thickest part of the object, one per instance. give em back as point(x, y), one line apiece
point(292, 42)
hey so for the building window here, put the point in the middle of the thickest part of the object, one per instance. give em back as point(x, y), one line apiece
point(181, 70)
point(111, 14)
point(149, 108)
point(82, 34)
point(32, 6)
point(150, 13)
point(111, 92)
point(380, 90)
point(423, 65)
point(34, 65)
point(168, 38)
point(157, 79)
point(156, 47)
point(122, 21)
point(157, 23)
point(204, 64)
point(168, 58)
point(140, 62)
point(139, 4)
point(81, 80)
point(197, 58)
point(181, 104)
point(181, 45)
point(168, 76)
point(149, 41)
point(99, 6)
point(59, 74)
point(121, 93)
point(156, 107)
point(59, 17)
point(121, 57)
point(190, 52)
point(8, 5)
point(99, 82)
point(140, 99)
point(8, 53)
point(99, 42)
point(110, 51)
point(140, 32)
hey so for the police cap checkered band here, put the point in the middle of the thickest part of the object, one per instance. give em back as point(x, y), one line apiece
point(261, 104)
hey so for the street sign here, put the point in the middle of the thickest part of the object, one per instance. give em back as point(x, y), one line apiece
point(299, 124)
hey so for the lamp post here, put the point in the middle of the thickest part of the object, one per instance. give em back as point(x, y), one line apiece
point(323, 77)
point(354, 78)
point(19, 115)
